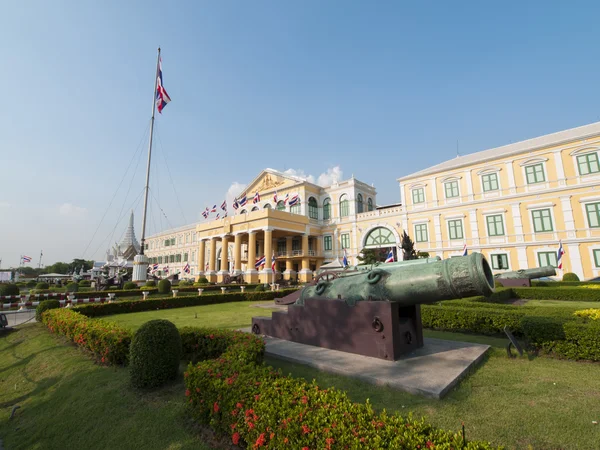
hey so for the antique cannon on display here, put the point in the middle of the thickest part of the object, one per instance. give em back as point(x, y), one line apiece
point(523, 277)
point(377, 312)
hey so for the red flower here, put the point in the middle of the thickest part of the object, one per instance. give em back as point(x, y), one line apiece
point(216, 407)
point(187, 392)
point(197, 389)
point(285, 440)
point(305, 429)
point(212, 336)
point(235, 438)
point(256, 397)
point(260, 441)
point(239, 405)
point(429, 444)
point(305, 399)
point(250, 425)
point(272, 435)
point(305, 448)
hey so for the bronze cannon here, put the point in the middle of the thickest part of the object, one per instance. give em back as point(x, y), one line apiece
point(523, 277)
point(377, 312)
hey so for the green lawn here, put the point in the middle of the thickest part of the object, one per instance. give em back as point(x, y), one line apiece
point(224, 315)
point(69, 402)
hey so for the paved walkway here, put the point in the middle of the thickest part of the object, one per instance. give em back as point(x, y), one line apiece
point(19, 317)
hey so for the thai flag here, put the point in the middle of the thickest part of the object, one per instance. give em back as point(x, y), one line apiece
point(218, 215)
point(275, 197)
point(235, 204)
point(186, 268)
point(260, 262)
point(26, 259)
point(162, 98)
point(154, 267)
point(559, 255)
point(166, 269)
point(205, 213)
point(214, 209)
point(273, 262)
point(345, 259)
point(243, 200)
point(225, 215)
point(256, 198)
point(206, 267)
point(390, 256)
point(294, 199)
point(465, 251)
point(285, 200)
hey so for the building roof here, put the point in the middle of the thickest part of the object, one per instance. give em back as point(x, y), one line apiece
point(528, 145)
point(129, 239)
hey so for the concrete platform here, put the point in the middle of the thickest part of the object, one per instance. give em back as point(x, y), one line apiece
point(430, 371)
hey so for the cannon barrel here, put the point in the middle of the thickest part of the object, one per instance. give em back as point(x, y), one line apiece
point(410, 284)
point(530, 274)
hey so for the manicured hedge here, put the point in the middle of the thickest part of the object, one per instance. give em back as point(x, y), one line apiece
point(257, 407)
point(127, 306)
point(561, 293)
point(137, 291)
point(108, 342)
point(536, 283)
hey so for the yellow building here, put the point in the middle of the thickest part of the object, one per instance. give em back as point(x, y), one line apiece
point(513, 203)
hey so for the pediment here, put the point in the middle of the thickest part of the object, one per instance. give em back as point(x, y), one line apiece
point(130, 253)
point(268, 181)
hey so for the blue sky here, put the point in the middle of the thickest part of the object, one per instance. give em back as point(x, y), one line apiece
point(380, 89)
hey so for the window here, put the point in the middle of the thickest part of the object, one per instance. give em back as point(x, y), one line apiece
point(535, 173)
point(185, 257)
point(495, 225)
point(597, 258)
point(267, 206)
point(593, 214)
point(547, 259)
point(280, 205)
point(243, 211)
point(193, 237)
point(380, 237)
point(327, 209)
point(172, 241)
point(146, 246)
point(490, 182)
point(179, 240)
point(160, 259)
point(500, 261)
point(295, 209)
point(455, 229)
point(167, 242)
point(542, 220)
point(187, 238)
point(345, 241)
point(588, 163)
point(178, 257)
point(327, 243)
point(451, 188)
point(255, 208)
point(370, 204)
point(313, 208)
point(359, 204)
point(281, 247)
point(193, 257)
point(344, 206)
point(418, 195)
point(172, 258)
point(421, 232)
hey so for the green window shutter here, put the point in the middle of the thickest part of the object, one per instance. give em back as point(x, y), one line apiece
point(588, 163)
point(597, 258)
point(547, 259)
point(500, 261)
point(421, 233)
point(490, 182)
point(418, 195)
point(542, 220)
point(327, 242)
point(451, 188)
point(535, 173)
point(455, 229)
point(495, 225)
point(593, 214)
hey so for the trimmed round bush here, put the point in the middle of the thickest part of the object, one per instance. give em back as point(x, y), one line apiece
point(42, 285)
point(9, 289)
point(259, 288)
point(31, 284)
point(185, 283)
point(45, 306)
point(85, 283)
point(154, 354)
point(151, 283)
point(130, 285)
point(164, 286)
point(570, 276)
point(72, 287)
point(202, 280)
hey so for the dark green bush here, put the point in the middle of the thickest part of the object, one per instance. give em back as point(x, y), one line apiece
point(151, 283)
point(31, 284)
point(570, 276)
point(184, 283)
point(259, 288)
point(85, 283)
point(164, 286)
point(9, 289)
point(72, 287)
point(202, 280)
point(45, 306)
point(577, 294)
point(154, 354)
point(42, 285)
point(130, 285)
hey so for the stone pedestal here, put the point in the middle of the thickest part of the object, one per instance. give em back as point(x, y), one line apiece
point(223, 290)
point(243, 289)
point(111, 297)
point(200, 290)
point(140, 268)
point(175, 291)
point(145, 294)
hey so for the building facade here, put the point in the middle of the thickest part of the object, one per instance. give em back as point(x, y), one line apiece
point(513, 203)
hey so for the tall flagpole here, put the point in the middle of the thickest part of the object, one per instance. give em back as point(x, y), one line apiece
point(140, 267)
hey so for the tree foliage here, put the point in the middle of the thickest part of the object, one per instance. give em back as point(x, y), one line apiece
point(408, 247)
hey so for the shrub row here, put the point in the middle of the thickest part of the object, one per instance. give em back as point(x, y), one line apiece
point(127, 306)
point(561, 293)
point(108, 342)
point(536, 283)
point(257, 407)
point(136, 291)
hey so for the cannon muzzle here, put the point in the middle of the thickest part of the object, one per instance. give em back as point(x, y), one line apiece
point(410, 284)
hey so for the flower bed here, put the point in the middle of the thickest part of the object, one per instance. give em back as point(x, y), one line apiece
point(108, 342)
point(593, 314)
point(257, 407)
point(127, 306)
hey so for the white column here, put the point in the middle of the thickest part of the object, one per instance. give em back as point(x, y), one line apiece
point(517, 221)
point(511, 178)
point(434, 199)
point(437, 228)
point(469, 186)
point(522, 258)
point(560, 170)
point(402, 196)
point(474, 227)
point(574, 257)
point(567, 210)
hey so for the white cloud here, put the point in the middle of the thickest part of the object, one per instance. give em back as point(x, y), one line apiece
point(300, 174)
point(70, 210)
point(333, 175)
point(4, 205)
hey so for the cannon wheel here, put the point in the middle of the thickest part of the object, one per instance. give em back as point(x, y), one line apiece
point(227, 279)
point(326, 276)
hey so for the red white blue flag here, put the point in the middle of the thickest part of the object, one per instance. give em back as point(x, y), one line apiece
point(256, 198)
point(390, 256)
point(162, 98)
point(465, 251)
point(294, 200)
point(214, 208)
point(224, 205)
point(26, 259)
point(235, 203)
point(275, 197)
point(243, 200)
point(260, 262)
point(345, 259)
point(273, 263)
point(559, 255)
point(186, 268)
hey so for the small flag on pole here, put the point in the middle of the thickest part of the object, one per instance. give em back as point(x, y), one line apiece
point(186, 268)
point(224, 205)
point(273, 262)
point(345, 259)
point(390, 256)
point(243, 200)
point(256, 198)
point(295, 199)
point(285, 200)
point(275, 197)
point(235, 204)
point(559, 255)
point(206, 267)
point(465, 251)
point(260, 262)
point(26, 259)
point(162, 98)
point(214, 209)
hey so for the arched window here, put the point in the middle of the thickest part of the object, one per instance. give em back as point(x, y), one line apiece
point(296, 208)
point(280, 205)
point(267, 206)
point(370, 204)
point(344, 206)
point(327, 209)
point(359, 204)
point(255, 208)
point(380, 237)
point(243, 211)
point(313, 208)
